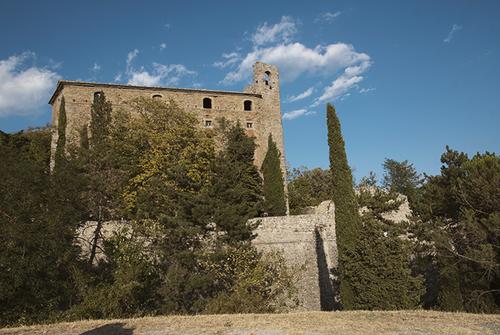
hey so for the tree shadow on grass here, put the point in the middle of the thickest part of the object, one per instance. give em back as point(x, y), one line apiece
point(116, 328)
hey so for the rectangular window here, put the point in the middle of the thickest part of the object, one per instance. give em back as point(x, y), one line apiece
point(208, 123)
point(249, 125)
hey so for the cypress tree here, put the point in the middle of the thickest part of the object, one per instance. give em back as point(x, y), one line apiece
point(274, 187)
point(101, 191)
point(61, 134)
point(100, 119)
point(346, 209)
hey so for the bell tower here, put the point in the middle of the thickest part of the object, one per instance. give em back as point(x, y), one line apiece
point(266, 82)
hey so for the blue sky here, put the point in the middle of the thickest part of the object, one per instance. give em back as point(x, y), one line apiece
point(406, 77)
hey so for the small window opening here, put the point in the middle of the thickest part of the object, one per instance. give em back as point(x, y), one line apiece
point(207, 103)
point(157, 97)
point(208, 123)
point(247, 105)
point(249, 125)
point(97, 95)
point(267, 77)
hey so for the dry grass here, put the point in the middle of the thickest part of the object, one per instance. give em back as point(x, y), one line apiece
point(345, 323)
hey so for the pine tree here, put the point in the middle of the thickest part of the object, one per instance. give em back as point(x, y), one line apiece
point(274, 188)
point(401, 177)
point(460, 214)
point(61, 135)
point(236, 192)
point(346, 208)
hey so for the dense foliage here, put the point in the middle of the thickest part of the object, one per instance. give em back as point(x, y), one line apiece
point(382, 257)
point(178, 199)
point(460, 217)
point(347, 220)
point(308, 188)
point(235, 193)
point(186, 208)
point(37, 256)
point(274, 185)
point(401, 177)
point(60, 155)
point(178, 209)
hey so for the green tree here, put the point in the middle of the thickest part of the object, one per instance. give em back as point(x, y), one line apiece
point(460, 217)
point(236, 191)
point(100, 119)
point(171, 257)
point(37, 255)
point(307, 188)
point(164, 162)
point(346, 208)
point(274, 187)
point(84, 138)
point(382, 257)
point(100, 169)
point(60, 156)
point(401, 177)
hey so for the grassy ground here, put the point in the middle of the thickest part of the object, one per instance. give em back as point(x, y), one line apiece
point(345, 323)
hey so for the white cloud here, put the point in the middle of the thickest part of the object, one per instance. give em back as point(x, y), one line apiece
point(163, 46)
point(452, 32)
point(159, 75)
point(229, 59)
point(295, 59)
point(167, 25)
point(279, 32)
point(24, 89)
point(130, 57)
point(307, 93)
point(347, 80)
point(272, 44)
point(297, 113)
point(327, 17)
point(366, 90)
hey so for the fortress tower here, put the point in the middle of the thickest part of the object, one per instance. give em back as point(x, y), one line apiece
point(266, 83)
point(257, 108)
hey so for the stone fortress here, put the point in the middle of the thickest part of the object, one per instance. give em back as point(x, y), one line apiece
point(257, 108)
point(307, 241)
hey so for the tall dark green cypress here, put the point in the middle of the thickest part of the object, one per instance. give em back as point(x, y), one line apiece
point(274, 187)
point(347, 218)
point(61, 134)
point(101, 189)
point(100, 119)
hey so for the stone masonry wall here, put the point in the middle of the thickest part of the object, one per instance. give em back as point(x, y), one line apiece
point(306, 241)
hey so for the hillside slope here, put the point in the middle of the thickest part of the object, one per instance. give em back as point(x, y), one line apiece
point(345, 323)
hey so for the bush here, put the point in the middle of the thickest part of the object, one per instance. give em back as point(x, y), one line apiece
point(252, 282)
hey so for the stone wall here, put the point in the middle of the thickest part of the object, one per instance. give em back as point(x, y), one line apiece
point(306, 241)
